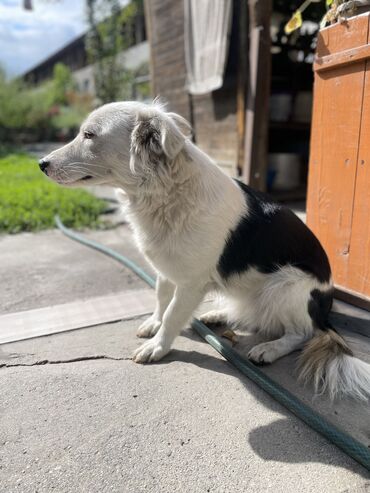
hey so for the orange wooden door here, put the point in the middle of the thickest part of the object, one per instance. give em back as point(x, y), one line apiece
point(359, 259)
point(338, 185)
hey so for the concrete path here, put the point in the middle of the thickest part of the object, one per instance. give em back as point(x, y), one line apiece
point(46, 268)
point(77, 415)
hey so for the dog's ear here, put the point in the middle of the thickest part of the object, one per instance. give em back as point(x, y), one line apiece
point(182, 124)
point(157, 138)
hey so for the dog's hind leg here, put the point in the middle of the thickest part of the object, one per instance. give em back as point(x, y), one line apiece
point(267, 352)
point(164, 290)
point(186, 299)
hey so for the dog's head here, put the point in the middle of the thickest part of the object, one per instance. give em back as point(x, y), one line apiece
point(120, 144)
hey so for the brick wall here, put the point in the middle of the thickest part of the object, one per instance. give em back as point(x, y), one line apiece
point(214, 114)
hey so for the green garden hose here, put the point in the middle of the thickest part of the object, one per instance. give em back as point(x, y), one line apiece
point(345, 442)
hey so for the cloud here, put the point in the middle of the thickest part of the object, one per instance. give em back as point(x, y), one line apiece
point(28, 37)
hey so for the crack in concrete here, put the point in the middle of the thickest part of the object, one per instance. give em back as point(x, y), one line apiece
point(60, 362)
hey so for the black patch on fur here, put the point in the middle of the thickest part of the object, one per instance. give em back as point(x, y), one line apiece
point(147, 134)
point(148, 138)
point(319, 307)
point(271, 236)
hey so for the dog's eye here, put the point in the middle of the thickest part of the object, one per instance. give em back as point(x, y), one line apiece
point(88, 135)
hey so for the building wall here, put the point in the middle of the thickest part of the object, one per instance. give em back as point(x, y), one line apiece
point(212, 115)
point(215, 127)
point(132, 58)
point(75, 57)
point(165, 28)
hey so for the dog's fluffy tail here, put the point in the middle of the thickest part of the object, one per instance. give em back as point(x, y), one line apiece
point(329, 362)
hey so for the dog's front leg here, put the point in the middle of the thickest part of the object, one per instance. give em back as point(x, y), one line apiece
point(165, 291)
point(179, 311)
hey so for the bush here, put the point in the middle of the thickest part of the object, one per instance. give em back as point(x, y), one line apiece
point(67, 121)
point(63, 83)
point(23, 110)
point(29, 201)
point(39, 113)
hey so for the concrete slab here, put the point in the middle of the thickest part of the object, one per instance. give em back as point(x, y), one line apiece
point(47, 268)
point(81, 417)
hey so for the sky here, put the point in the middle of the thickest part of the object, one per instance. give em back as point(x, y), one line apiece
point(28, 37)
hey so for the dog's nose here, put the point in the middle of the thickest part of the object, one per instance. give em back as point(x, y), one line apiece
point(43, 163)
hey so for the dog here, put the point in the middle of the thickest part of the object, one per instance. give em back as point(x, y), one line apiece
point(203, 231)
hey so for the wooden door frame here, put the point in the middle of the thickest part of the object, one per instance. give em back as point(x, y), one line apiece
point(254, 159)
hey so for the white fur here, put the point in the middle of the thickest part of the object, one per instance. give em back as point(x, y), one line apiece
point(344, 375)
point(182, 207)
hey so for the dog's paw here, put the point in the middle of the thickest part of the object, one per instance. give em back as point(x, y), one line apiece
point(152, 350)
point(148, 328)
point(263, 353)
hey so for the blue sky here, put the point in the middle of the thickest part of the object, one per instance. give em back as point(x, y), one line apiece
point(28, 37)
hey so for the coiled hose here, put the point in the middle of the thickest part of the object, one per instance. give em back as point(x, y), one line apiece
point(342, 440)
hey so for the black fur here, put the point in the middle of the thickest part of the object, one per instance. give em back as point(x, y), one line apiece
point(147, 135)
point(271, 236)
point(319, 307)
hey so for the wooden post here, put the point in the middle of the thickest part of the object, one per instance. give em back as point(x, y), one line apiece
point(149, 31)
point(259, 77)
point(241, 93)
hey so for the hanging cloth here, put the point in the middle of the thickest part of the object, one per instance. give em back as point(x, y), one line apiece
point(206, 31)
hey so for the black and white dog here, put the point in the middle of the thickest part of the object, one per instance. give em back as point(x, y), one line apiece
point(203, 231)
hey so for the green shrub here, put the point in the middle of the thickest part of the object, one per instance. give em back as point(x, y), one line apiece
point(22, 110)
point(38, 113)
point(29, 201)
point(69, 117)
point(62, 82)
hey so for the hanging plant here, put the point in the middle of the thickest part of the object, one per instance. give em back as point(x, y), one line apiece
point(335, 10)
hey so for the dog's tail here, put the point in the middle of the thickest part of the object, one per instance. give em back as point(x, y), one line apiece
point(329, 362)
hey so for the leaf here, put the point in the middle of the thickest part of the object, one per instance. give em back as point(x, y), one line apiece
point(294, 23)
point(230, 334)
point(323, 21)
point(329, 2)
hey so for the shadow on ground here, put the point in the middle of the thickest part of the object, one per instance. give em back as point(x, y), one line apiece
point(270, 441)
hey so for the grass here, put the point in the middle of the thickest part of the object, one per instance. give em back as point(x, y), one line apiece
point(29, 201)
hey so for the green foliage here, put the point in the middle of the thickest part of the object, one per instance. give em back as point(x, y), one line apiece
point(69, 117)
point(107, 38)
point(29, 200)
point(20, 109)
point(55, 109)
point(143, 91)
point(41, 111)
point(63, 83)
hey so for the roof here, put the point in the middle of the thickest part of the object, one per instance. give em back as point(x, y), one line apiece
point(55, 57)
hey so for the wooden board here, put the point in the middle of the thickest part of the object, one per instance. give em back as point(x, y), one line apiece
point(359, 259)
point(75, 315)
point(338, 181)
